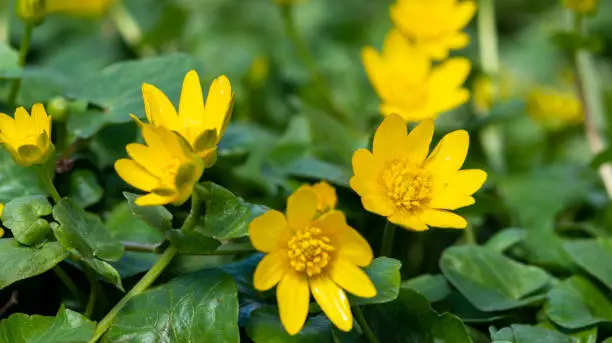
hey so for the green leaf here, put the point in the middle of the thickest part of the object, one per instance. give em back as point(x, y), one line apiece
point(156, 216)
point(23, 217)
point(433, 287)
point(491, 281)
point(192, 242)
point(594, 256)
point(9, 62)
point(16, 181)
point(67, 327)
point(227, 215)
point(198, 307)
point(528, 334)
point(385, 274)
point(84, 188)
point(545, 249)
point(316, 170)
point(21, 262)
point(265, 327)
point(460, 306)
point(84, 235)
point(388, 321)
point(576, 303)
point(572, 42)
point(505, 239)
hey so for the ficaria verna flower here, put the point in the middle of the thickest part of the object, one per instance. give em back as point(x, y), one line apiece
point(310, 253)
point(79, 7)
point(434, 25)
point(408, 85)
point(166, 167)
point(553, 108)
point(400, 181)
point(581, 6)
point(202, 126)
point(326, 196)
point(27, 138)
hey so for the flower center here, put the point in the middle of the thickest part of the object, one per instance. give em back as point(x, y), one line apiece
point(408, 187)
point(309, 251)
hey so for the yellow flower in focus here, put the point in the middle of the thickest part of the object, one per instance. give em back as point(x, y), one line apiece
point(554, 108)
point(398, 179)
point(326, 196)
point(306, 253)
point(408, 85)
point(202, 126)
point(79, 7)
point(27, 138)
point(434, 25)
point(165, 167)
point(581, 6)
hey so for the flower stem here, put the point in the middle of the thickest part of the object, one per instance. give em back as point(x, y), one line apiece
point(48, 183)
point(470, 235)
point(23, 53)
point(67, 281)
point(140, 247)
point(129, 30)
point(367, 331)
point(93, 291)
point(387, 240)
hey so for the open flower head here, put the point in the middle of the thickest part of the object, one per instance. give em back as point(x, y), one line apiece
point(201, 125)
point(434, 25)
point(307, 253)
point(326, 196)
point(409, 85)
point(554, 108)
point(165, 167)
point(398, 180)
point(27, 138)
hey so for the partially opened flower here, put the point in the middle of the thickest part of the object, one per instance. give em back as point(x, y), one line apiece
point(409, 85)
point(27, 138)
point(165, 167)
point(400, 181)
point(434, 25)
point(202, 126)
point(305, 254)
point(326, 196)
point(554, 108)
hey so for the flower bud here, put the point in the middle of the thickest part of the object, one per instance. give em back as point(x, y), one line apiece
point(58, 108)
point(31, 11)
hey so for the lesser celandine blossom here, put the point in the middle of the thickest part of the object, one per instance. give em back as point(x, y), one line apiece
point(554, 108)
point(310, 253)
point(409, 85)
point(27, 138)
point(434, 25)
point(398, 180)
point(79, 7)
point(326, 196)
point(202, 126)
point(581, 6)
point(165, 167)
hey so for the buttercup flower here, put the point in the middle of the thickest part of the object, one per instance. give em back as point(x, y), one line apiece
point(306, 253)
point(27, 138)
point(554, 108)
point(31, 11)
point(326, 196)
point(434, 25)
point(581, 6)
point(165, 167)
point(408, 85)
point(201, 126)
point(79, 7)
point(400, 181)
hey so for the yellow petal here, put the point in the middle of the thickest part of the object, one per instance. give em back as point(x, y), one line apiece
point(267, 230)
point(333, 302)
point(443, 219)
point(326, 196)
point(418, 141)
point(450, 201)
point(441, 103)
point(22, 121)
point(218, 104)
point(435, 49)
point(466, 181)
point(458, 41)
point(375, 70)
point(7, 125)
point(351, 246)
point(408, 221)
point(389, 138)
point(271, 270)
point(40, 119)
point(378, 202)
point(145, 157)
point(449, 155)
point(135, 175)
point(191, 107)
point(153, 200)
point(332, 223)
point(449, 75)
point(301, 208)
point(364, 164)
point(158, 108)
point(293, 298)
point(350, 277)
point(464, 12)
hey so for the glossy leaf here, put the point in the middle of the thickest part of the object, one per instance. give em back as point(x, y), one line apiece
point(193, 242)
point(23, 217)
point(528, 334)
point(22, 262)
point(385, 275)
point(505, 239)
point(589, 254)
point(84, 188)
point(433, 287)
point(265, 327)
point(16, 181)
point(9, 62)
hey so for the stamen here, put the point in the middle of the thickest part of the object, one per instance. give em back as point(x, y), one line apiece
point(309, 251)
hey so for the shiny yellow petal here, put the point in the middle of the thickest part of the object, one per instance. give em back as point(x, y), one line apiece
point(418, 141)
point(449, 75)
point(350, 277)
point(364, 164)
point(326, 195)
point(445, 102)
point(218, 104)
point(158, 108)
point(450, 201)
point(7, 124)
point(458, 41)
point(389, 139)
point(332, 223)
point(333, 302)
point(40, 119)
point(267, 230)
point(464, 12)
point(378, 203)
point(191, 108)
point(449, 155)
point(350, 245)
point(135, 175)
point(146, 157)
point(375, 69)
point(22, 119)
point(301, 208)
point(408, 221)
point(153, 200)
point(271, 270)
point(293, 298)
point(443, 219)
point(466, 181)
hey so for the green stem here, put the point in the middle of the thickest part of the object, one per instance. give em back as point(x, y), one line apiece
point(140, 247)
point(309, 62)
point(67, 281)
point(470, 235)
point(48, 183)
point(367, 331)
point(387, 240)
point(23, 53)
point(93, 291)
point(129, 30)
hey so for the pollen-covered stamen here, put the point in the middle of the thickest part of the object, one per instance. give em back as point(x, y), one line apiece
point(309, 251)
point(409, 187)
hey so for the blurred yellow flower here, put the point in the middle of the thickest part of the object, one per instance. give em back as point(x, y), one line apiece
point(31, 11)
point(1, 211)
point(165, 167)
point(79, 7)
point(434, 25)
point(258, 73)
point(399, 181)
point(326, 196)
point(408, 85)
point(202, 126)
point(310, 253)
point(483, 94)
point(554, 108)
point(581, 6)
point(27, 138)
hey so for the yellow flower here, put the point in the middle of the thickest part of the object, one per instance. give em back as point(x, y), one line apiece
point(27, 138)
point(201, 126)
point(581, 6)
point(434, 25)
point(259, 71)
point(307, 254)
point(79, 7)
point(326, 196)
point(483, 94)
point(407, 83)
point(554, 108)
point(31, 11)
point(165, 167)
point(399, 181)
